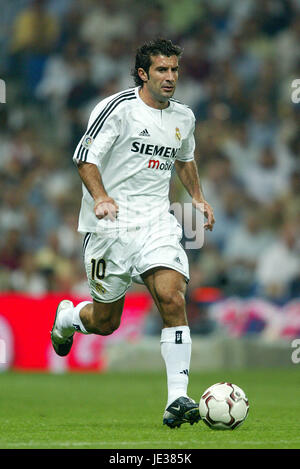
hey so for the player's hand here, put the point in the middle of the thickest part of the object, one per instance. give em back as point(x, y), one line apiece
point(205, 208)
point(106, 208)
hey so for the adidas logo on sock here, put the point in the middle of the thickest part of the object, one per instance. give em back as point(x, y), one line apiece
point(184, 372)
point(144, 133)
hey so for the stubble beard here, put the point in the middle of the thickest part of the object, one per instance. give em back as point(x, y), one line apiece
point(162, 98)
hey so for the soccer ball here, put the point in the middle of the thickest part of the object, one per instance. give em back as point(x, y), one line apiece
point(223, 406)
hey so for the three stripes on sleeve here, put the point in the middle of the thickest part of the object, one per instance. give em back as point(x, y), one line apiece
point(82, 150)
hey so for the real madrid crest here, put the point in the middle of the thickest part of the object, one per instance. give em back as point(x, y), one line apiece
point(177, 133)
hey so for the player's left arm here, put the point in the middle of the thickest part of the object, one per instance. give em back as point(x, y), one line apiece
point(188, 174)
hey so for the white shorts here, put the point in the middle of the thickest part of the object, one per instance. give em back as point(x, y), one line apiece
point(113, 260)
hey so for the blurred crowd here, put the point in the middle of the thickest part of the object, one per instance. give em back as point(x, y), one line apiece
point(60, 57)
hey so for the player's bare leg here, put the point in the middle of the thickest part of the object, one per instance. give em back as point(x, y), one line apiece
point(102, 318)
point(168, 288)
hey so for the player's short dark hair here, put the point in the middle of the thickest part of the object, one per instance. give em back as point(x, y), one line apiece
point(156, 47)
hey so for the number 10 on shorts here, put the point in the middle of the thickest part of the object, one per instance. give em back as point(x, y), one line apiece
point(98, 269)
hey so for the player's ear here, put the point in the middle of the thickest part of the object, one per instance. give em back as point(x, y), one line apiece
point(143, 75)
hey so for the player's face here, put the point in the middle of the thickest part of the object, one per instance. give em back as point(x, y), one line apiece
point(162, 77)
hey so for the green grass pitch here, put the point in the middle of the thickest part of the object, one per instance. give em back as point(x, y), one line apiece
point(124, 410)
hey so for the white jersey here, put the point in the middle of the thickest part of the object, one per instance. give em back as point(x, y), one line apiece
point(134, 147)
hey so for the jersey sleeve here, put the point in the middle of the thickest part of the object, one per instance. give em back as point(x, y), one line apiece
point(102, 131)
point(186, 152)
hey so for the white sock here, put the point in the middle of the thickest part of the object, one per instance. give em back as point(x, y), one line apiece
point(69, 320)
point(176, 347)
point(76, 321)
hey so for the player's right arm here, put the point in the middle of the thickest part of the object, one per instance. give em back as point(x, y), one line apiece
point(103, 204)
point(102, 131)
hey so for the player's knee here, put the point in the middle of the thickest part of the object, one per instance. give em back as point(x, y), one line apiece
point(107, 327)
point(172, 306)
point(172, 300)
point(106, 318)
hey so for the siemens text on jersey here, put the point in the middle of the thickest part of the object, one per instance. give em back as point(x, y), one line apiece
point(154, 150)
